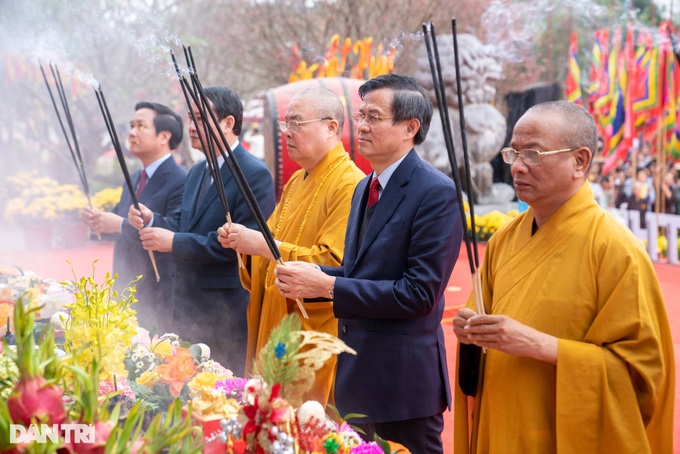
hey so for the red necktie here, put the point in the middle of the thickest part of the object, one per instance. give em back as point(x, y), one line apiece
point(373, 192)
point(142, 183)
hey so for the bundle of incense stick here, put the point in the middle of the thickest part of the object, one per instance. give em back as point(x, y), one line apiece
point(468, 354)
point(121, 160)
point(72, 141)
point(208, 144)
point(213, 135)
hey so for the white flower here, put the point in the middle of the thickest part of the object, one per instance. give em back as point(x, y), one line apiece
point(310, 409)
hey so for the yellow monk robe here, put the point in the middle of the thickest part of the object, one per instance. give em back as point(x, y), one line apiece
point(584, 278)
point(310, 220)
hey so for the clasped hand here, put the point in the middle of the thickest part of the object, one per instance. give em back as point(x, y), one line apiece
point(243, 240)
point(505, 334)
point(153, 238)
point(302, 280)
point(101, 222)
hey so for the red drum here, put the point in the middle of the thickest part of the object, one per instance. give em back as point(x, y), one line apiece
point(275, 103)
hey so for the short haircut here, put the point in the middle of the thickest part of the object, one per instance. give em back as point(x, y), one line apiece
point(325, 104)
point(410, 100)
point(578, 126)
point(165, 120)
point(226, 102)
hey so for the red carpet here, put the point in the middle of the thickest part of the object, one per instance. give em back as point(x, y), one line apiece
point(53, 263)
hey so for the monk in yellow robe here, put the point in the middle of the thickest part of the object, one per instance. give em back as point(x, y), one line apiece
point(308, 224)
point(579, 357)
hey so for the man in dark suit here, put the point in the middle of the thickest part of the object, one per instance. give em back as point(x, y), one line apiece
point(155, 130)
point(402, 241)
point(209, 303)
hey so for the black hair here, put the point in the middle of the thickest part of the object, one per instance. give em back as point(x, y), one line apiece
point(410, 100)
point(165, 120)
point(226, 102)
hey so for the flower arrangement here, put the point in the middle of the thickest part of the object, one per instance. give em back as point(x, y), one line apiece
point(107, 198)
point(36, 397)
point(268, 422)
point(113, 376)
point(49, 294)
point(166, 368)
point(100, 325)
point(43, 199)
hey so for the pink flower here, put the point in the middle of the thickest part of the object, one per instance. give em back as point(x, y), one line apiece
point(122, 387)
point(232, 387)
point(367, 448)
point(142, 338)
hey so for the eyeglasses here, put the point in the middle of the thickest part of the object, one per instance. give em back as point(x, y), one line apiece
point(371, 119)
point(294, 125)
point(529, 156)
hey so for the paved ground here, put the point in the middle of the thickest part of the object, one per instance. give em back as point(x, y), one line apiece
point(53, 263)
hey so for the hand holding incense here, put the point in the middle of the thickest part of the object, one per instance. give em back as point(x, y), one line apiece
point(121, 160)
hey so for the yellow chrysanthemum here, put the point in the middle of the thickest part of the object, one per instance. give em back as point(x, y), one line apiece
point(662, 244)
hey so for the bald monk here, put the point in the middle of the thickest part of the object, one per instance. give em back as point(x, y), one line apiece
point(308, 224)
point(579, 351)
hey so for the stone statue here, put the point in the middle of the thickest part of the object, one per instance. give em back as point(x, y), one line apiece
point(485, 125)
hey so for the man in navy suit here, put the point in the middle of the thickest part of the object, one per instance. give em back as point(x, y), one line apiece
point(402, 241)
point(209, 303)
point(155, 130)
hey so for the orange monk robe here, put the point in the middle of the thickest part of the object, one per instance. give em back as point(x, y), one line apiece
point(584, 278)
point(310, 220)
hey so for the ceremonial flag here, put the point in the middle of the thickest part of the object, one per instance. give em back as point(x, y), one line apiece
point(599, 99)
point(599, 76)
point(618, 147)
point(645, 89)
point(572, 89)
point(631, 72)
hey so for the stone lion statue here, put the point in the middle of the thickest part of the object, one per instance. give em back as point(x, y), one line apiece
point(484, 124)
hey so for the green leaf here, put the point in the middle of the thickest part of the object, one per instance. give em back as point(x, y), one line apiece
point(385, 446)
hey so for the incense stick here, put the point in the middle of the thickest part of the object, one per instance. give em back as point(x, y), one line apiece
point(469, 354)
point(212, 159)
point(463, 136)
point(75, 155)
point(121, 160)
point(200, 99)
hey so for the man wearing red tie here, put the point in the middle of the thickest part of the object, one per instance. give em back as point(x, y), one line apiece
point(155, 130)
point(402, 241)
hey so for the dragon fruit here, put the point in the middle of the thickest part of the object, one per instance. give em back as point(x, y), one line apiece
point(35, 400)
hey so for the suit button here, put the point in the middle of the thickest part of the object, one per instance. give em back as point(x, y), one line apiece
point(344, 329)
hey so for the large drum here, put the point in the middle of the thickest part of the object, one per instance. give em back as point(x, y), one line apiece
point(275, 103)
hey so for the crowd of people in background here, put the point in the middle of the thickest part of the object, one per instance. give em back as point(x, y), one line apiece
point(639, 183)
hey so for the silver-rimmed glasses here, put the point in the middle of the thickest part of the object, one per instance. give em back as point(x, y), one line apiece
point(371, 119)
point(529, 156)
point(294, 125)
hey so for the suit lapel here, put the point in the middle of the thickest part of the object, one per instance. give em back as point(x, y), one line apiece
point(125, 201)
point(212, 191)
point(354, 221)
point(192, 186)
point(390, 199)
point(154, 183)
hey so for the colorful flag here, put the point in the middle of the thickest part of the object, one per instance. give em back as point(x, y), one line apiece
point(572, 89)
point(631, 73)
